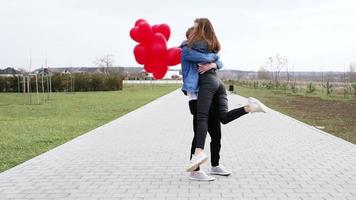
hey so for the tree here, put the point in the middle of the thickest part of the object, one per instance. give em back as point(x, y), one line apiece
point(276, 64)
point(263, 73)
point(105, 62)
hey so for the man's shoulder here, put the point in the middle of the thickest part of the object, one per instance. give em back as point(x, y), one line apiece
point(184, 44)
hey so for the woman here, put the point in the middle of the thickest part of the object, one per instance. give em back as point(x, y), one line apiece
point(208, 86)
point(214, 127)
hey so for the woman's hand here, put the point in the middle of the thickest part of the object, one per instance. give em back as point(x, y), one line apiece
point(206, 67)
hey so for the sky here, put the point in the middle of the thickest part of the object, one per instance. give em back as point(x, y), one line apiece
point(313, 35)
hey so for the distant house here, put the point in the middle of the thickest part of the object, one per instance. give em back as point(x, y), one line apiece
point(81, 70)
point(173, 74)
point(9, 72)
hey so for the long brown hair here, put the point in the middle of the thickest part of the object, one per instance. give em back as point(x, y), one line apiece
point(204, 31)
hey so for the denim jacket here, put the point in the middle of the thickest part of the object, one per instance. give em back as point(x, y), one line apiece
point(191, 57)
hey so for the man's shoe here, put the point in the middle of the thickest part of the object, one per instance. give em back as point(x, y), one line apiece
point(200, 176)
point(219, 170)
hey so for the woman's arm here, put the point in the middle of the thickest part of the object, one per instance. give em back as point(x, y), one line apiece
point(196, 56)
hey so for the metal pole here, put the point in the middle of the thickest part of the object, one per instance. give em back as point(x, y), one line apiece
point(67, 82)
point(28, 89)
point(38, 100)
point(18, 84)
point(43, 95)
point(50, 82)
point(47, 86)
point(72, 83)
point(29, 79)
point(24, 84)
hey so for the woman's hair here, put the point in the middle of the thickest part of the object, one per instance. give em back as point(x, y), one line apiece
point(204, 31)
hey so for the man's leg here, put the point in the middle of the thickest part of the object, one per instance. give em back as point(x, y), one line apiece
point(214, 129)
point(215, 144)
point(197, 174)
point(193, 111)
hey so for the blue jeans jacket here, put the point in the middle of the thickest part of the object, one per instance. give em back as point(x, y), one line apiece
point(191, 57)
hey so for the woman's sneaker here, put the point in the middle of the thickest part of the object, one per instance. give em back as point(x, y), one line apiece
point(256, 106)
point(219, 170)
point(196, 161)
point(200, 176)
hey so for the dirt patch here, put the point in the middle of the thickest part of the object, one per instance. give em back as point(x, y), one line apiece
point(338, 117)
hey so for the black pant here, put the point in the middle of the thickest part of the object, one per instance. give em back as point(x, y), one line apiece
point(211, 87)
point(214, 130)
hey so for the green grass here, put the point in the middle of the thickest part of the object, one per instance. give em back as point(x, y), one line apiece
point(336, 114)
point(29, 130)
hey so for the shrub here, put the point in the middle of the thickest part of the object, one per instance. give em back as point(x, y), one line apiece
point(9, 84)
point(294, 88)
point(354, 88)
point(284, 86)
point(310, 88)
point(328, 87)
point(255, 84)
point(63, 82)
point(270, 85)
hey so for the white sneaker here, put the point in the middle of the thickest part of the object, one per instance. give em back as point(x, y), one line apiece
point(196, 161)
point(256, 106)
point(200, 176)
point(219, 170)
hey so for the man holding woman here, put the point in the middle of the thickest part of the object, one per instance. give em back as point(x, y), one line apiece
point(207, 97)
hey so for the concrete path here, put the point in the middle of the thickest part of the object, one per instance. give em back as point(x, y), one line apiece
point(143, 154)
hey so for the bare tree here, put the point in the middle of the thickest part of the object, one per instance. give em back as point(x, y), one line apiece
point(105, 62)
point(276, 64)
point(263, 73)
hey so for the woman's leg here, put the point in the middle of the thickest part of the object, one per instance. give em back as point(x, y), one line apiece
point(225, 115)
point(208, 86)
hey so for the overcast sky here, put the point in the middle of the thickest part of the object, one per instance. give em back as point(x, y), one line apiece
point(314, 35)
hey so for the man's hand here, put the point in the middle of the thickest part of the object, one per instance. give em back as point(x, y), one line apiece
point(206, 67)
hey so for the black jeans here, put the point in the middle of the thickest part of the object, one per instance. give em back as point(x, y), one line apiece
point(214, 129)
point(211, 87)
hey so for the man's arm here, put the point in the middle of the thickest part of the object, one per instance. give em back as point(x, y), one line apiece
point(202, 68)
point(196, 56)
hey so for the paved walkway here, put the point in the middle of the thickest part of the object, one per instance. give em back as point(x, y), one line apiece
point(142, 155)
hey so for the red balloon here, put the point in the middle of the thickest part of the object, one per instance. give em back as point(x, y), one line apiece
point(165, 30)
point(160, 73)
point(140, 53)
point(174, 56)
point(145, 32)
point(148, 68)
point(135, 35)
point(155, 28)
point(139, 21)
point(152, 48)
point(158, 49)
point(158, 76)
point(159, 39)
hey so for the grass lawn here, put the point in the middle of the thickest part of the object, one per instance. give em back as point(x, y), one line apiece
point(29, 130)
point(336, 115)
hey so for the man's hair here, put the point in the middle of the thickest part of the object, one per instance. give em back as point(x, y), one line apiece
point(189, 31)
